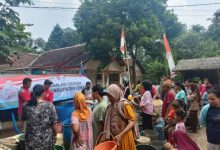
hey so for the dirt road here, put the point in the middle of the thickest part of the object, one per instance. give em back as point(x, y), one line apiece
point(199, 138)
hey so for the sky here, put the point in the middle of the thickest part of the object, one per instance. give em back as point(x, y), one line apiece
point(44, 20)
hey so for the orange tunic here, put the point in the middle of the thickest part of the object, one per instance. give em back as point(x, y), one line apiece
point(127, 142)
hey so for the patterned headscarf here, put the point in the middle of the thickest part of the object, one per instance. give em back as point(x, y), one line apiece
point(116, 92)
point(81, 110)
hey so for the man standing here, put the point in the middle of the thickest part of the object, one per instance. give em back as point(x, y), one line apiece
point(48, 94)
point(87, 91)
point(24, 95)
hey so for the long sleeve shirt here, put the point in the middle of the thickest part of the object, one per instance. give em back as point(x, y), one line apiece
point(146, 103)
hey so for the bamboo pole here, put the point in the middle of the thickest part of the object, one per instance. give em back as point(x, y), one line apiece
point(129, 76)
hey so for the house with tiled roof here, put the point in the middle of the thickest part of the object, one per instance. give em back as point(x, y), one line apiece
point(5, 60)
point(67, 60)
point(18, 63)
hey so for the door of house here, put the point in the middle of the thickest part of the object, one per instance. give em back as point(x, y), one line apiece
point(114, 78)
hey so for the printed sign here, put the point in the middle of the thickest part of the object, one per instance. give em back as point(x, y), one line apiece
point(64, 87)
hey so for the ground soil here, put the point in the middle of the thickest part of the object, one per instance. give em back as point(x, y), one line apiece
point(199, 138)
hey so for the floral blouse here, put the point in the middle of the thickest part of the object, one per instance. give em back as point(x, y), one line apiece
point(40, 119)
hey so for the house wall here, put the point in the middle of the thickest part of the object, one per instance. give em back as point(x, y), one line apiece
point(91, 75)
point(91, 65)
point(91, 69)
point(212, 75)
point(138, 72)
point(114, 66)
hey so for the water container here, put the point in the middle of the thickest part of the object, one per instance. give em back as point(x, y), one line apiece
point(143, 140)
point(67, 132)
point(64, 112)
point(59, 147)
point(21, 139)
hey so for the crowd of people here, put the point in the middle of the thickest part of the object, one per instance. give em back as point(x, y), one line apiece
point(114, 112)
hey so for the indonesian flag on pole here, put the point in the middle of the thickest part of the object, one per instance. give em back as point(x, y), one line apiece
point(169, 55)
point(123, 43)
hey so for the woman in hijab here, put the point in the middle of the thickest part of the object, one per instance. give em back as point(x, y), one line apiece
point(194, 99)
point(120, 119)
point(81, 125)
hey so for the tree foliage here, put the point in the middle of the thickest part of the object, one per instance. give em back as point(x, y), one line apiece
point(60, 38)
point(197, 43)
point(55, 39)
point(39, 45)
point(100, 24)
point(12, 31)
point(155, 70)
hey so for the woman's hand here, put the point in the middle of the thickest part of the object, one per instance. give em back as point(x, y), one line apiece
point(79, 142)
point(118, 139)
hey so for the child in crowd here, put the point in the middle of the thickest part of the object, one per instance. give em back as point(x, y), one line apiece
point(170, 127)
point(159, 124)
point(179, 118)
point(158, 103)
point(170, 118)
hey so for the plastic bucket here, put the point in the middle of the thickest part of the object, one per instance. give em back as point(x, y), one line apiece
point(143, 140)
point(59, 147)
point(146, 147)
point(67, 133)
point(107, 145)
point(21, 139)
point(158, 144)
point(64, 112)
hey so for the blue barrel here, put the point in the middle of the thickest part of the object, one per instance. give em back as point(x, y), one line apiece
point(64, 112)
point(67, 132)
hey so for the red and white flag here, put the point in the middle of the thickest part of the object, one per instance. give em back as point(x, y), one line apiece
point(123, 43)
point(169, 55)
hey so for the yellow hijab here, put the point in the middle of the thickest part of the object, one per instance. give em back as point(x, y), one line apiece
point(81, 110)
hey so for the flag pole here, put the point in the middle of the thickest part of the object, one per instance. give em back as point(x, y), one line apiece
point(123, 49)
point(129, 76)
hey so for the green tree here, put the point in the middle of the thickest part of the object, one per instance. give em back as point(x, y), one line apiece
point(55, 39)
point(70, 37)
point(194, 45)
point(197, 28)
point(39, 45)
point(100, 24)
point(213, 31)
point(155, 70)
point(12, 32)
point(60, 38)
